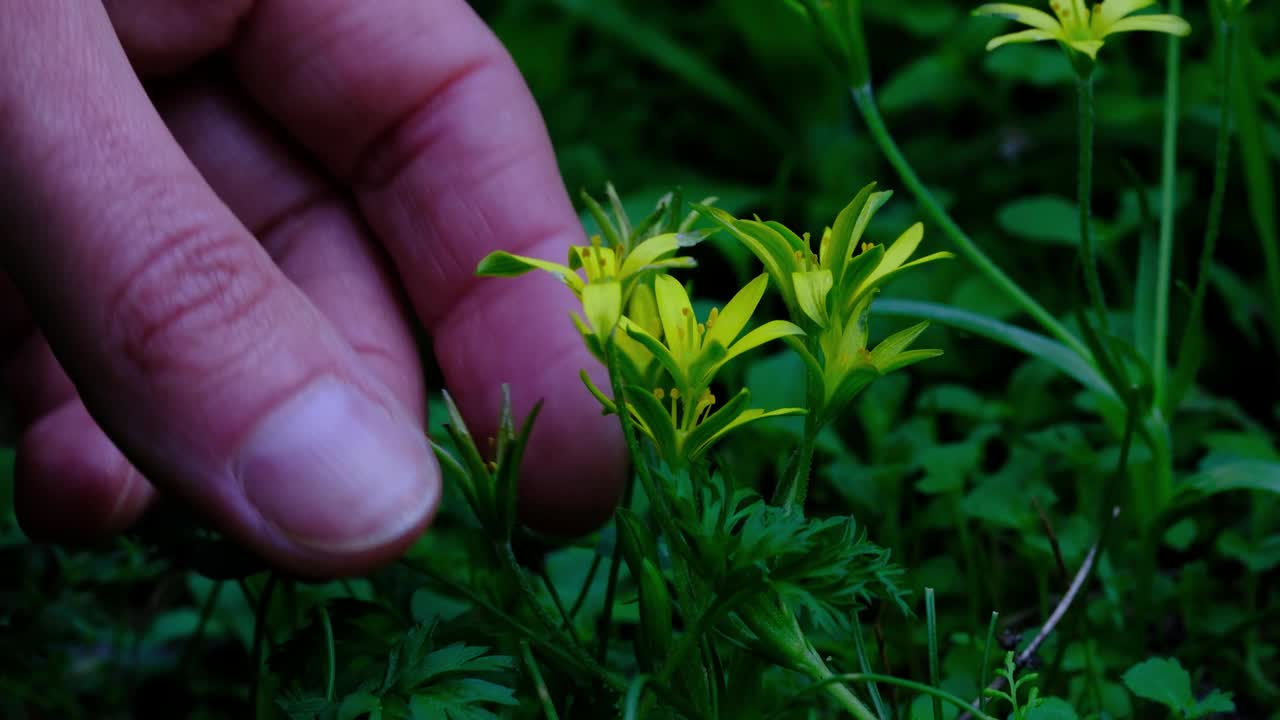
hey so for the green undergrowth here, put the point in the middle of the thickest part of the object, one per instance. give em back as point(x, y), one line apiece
point(1001, 443)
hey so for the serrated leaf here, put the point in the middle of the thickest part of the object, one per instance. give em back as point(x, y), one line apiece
point(359, 704)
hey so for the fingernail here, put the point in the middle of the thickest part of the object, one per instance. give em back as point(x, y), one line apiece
point(337, 472)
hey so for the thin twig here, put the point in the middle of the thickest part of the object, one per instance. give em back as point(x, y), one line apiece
point(1053, 537)
point(1024, 657)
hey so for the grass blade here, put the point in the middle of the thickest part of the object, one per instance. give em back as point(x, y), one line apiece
point(1034, 344)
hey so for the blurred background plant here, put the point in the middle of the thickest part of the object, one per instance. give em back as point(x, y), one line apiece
point(989, 472)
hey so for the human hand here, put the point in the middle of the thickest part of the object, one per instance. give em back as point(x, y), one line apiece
point(210, 280)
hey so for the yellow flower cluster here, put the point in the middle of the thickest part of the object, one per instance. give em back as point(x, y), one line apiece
point(670, 357)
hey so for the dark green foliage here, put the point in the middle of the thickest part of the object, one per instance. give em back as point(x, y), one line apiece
point(986, 474)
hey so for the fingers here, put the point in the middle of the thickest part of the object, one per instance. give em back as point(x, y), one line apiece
point(72, 482)
point(305, 224)
point(186, 343)
point(419, 108)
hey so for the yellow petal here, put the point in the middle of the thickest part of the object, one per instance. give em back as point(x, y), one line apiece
point(1171, 24)
point(676, 312)
point(643, 309)
point(811, 293)
point(737, 313)
point(895, 256)
point(1079, 14)
point(1108, 12)
point(1025, 36)
point(772, 330)
point(1038, 19)
point(1088, 47)
point(648, 252)
point(597, 262)
point(602, 304)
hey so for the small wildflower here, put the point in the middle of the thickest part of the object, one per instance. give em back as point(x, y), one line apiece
point(1078, 27)
point(685, 426)
point(692, 354)
point(830, 292)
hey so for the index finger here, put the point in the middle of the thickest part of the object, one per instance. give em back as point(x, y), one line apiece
point(417, 106)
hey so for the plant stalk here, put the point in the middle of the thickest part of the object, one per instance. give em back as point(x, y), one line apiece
point(1168, 187)
point(795, 485)
point(1088, 249)
point(864, 98)
point(1188, 347)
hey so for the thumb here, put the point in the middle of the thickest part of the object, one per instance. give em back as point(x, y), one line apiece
point(213, 373)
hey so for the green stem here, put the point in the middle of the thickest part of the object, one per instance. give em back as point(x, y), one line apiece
point(661, 508)
point(836, 688)
point(540, 685)
point(865, 100)
point(1164, 256)
point(197, 636)
point(1088, 251)
point(569, 654)
point(795, 485)
point(260, 641)
point(986, 660)
point(931, 623)
point(865, 665)
point(942, 695)
point(527, 590)
point(565, 618)
point(586, 585)
point(1188, 346)
point(330, 655)
point(610, 593)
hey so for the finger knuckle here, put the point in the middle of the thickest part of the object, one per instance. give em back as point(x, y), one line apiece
point(188, 302)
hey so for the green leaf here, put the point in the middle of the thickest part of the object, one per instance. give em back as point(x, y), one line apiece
point(845, 233)
point(947, 466)
point(925, 82)
point(1257, 475)
point(1052, 709)
point(891, 347)
point(1161, 680)
point(1046, 219)
point(460, 700)
point(770, 248)
point(655, 418)
point(1259, 556)
point(1039, 66)
point(655, 346)
point(359, 704)
point(1251, 129)
point(1034, 344)
point(700, 444)
point(1215, 702)
point(504, 264)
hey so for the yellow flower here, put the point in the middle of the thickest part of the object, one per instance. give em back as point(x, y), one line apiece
point(610, 281)
point(1078, 27)
point(830, 292)
point(680, 420)
point(693, 351)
